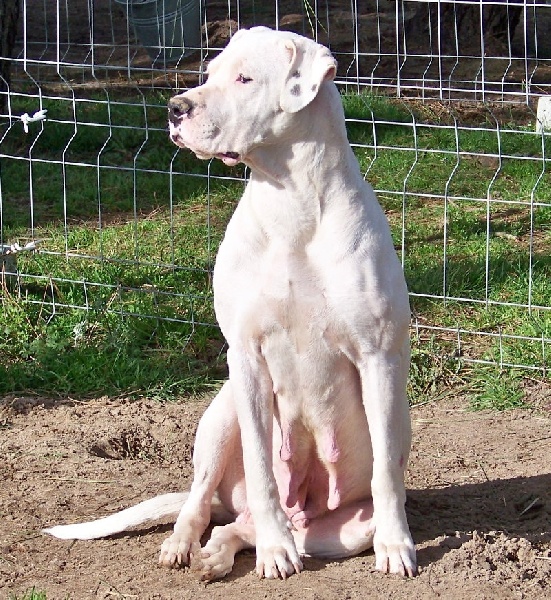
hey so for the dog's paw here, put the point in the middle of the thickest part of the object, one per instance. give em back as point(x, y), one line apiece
point(178, 551)
point(396, 557)
point(281, 560)
point(214, 561)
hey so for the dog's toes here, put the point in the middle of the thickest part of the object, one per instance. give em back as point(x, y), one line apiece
point(177, 551)
point(383, 565)
point(277, 563)
point(396, 558)
point(213, 562)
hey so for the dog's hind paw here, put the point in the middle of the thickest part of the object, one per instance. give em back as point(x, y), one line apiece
point(178, 551)
point(213, 561)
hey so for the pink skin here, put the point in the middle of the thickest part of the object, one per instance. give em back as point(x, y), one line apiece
point(305, 493)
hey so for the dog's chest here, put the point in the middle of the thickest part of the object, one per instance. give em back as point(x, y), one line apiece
point(294, 289)
point(279, 298)
point(300, 328)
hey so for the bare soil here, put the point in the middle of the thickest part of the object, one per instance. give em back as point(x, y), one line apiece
point(479, 504)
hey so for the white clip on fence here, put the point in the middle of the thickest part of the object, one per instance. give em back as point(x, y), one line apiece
point(39, 115)
point(16, 248)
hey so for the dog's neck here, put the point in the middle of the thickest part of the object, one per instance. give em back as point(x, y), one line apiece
point(296, 182)
point(323, 162)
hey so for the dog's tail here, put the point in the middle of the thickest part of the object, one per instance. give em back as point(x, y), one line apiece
point(165, 505)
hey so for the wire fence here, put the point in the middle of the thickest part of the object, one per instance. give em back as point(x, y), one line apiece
point(98, 212)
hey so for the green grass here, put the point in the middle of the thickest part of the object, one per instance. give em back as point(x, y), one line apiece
point(465, 247)
point(147, 328)
point(501, 392)
point(29, 595)
point(110, 348)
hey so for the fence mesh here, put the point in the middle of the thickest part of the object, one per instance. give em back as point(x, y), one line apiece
point(100, 214)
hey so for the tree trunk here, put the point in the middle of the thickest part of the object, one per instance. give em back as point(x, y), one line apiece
point(9, 14)
point(456, 28)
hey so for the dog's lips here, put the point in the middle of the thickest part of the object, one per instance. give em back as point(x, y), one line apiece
point(229, 158)
point(175, 137)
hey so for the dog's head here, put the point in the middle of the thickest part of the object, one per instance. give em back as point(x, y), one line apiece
point(254, 90)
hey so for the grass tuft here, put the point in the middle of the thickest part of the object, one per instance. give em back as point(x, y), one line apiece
point(32, 594)
point(494, 390)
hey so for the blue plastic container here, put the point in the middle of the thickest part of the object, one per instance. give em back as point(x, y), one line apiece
point(167, 29)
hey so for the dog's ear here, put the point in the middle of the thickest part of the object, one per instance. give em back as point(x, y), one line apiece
point(310, 64)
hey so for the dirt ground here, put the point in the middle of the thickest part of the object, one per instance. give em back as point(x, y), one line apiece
point(479, 504)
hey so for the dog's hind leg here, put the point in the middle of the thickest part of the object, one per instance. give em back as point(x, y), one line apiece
point(346, 531)
point(216, 443)
point(216, 559)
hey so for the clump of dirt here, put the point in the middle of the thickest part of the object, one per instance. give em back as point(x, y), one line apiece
point(479, 505)
point(496, 557)
point(131, 442)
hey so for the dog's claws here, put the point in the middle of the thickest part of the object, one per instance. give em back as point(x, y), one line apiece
point(281, 570)
point(402, 567)
point(177, 552)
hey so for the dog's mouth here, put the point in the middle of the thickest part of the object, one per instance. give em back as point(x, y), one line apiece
point(229, 158)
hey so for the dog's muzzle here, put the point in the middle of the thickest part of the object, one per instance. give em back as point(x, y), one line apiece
point(179, 107)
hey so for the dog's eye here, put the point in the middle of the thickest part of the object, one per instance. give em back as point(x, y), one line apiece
point(242, 79)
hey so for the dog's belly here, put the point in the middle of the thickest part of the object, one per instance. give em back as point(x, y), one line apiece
point(321, 447)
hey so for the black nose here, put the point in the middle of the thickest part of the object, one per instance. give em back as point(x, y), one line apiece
point(178, 107)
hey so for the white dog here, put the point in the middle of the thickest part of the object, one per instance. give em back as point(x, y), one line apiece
point(304, 449)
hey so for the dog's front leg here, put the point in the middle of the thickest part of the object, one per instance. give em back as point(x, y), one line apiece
point(276, 553)
point(384, 376)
